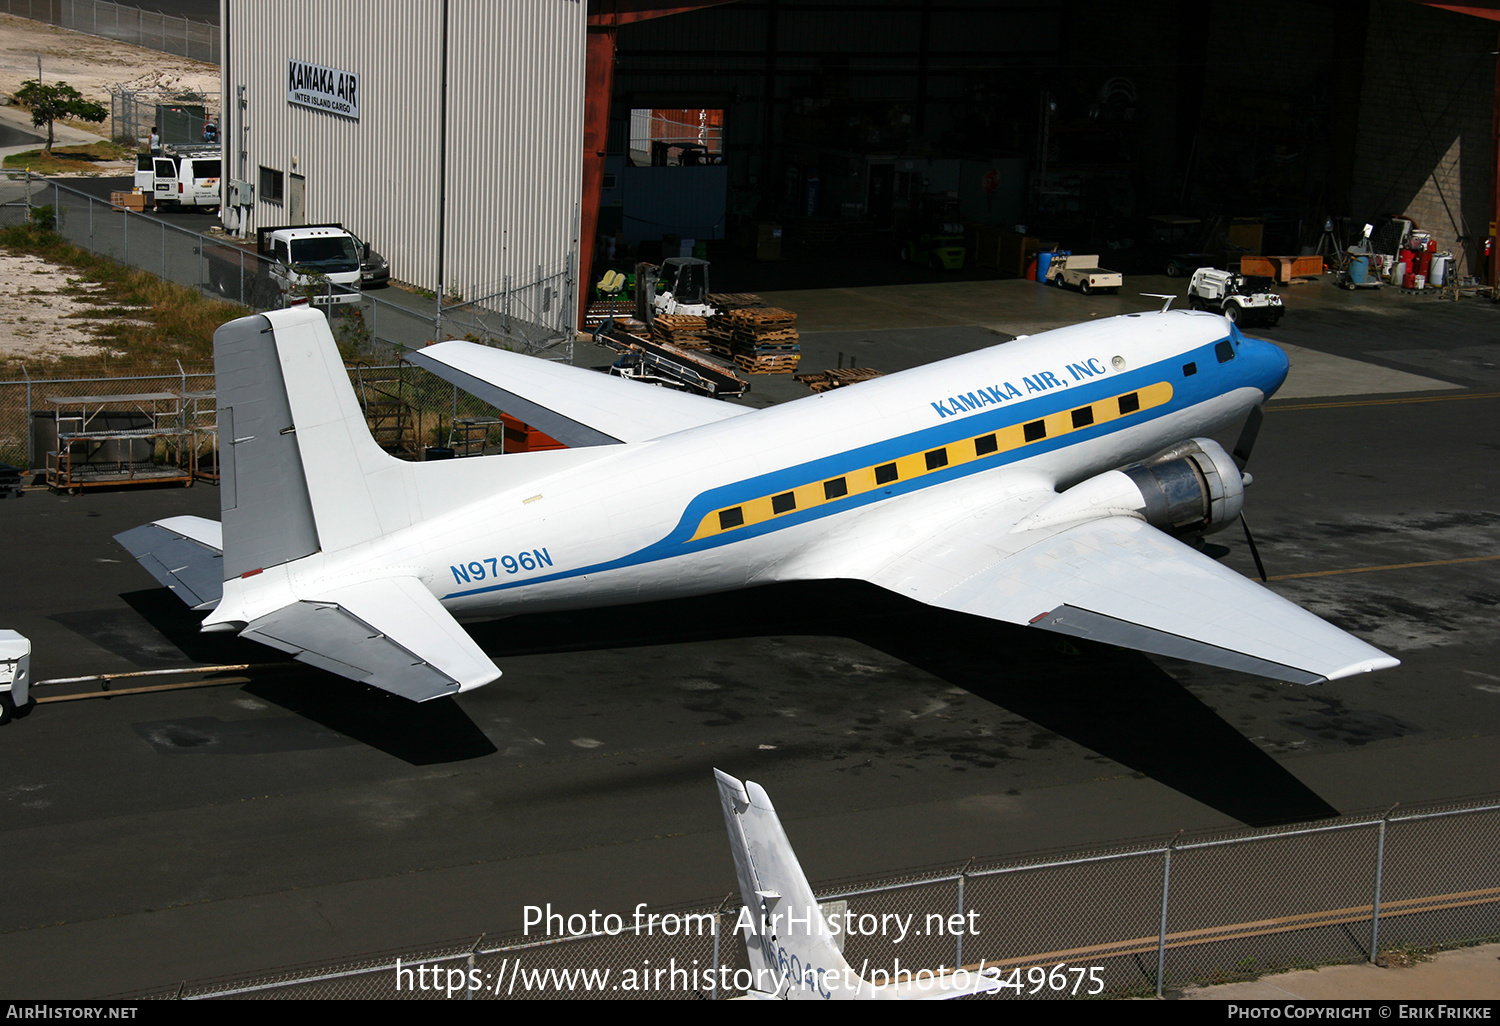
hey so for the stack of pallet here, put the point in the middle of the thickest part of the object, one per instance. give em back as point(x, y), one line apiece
point(822, 381)
point(763, 340)
point(684, 330)
point(720, 333)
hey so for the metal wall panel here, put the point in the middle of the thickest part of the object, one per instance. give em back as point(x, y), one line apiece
point(515, 139)
point(514, 97)
point(376, 175)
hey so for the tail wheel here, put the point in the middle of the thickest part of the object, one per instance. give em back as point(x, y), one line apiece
point(1085, 287)
point(1231, 312)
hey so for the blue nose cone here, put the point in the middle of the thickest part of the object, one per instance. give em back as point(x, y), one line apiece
point(1265, 365)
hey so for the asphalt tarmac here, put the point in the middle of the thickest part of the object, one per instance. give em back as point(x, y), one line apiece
point(291, 816)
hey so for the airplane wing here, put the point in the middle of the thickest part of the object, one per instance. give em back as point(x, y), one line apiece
point(576, 406)
point(390, 633)
point(1113, 579)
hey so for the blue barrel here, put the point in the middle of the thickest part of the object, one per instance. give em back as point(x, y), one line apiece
point(1043, 261)
point(1359, 268)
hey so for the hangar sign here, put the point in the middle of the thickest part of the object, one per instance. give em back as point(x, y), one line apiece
point(312, 85)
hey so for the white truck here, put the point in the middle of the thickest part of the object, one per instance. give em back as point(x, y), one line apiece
point(317, 263)
point(182, 176)
point(1082, 272)
point(1233, 295)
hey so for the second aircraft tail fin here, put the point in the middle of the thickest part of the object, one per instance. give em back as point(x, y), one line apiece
point(789, 940)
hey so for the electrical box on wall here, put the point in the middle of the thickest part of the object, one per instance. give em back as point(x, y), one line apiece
point(241, 194)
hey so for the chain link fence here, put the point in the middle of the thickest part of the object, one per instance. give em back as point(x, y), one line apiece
point(168, 33)
point(408, 409)
point(134, 112)
point(1131, 921)
point(531, 315)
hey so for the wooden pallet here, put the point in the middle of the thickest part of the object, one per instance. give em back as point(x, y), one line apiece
point(779, 337)
point(680, 329)
point(768, 349)
point(760, 318)
point(783, 363)
point(718, 340)
point(726, 301)
point(822, 381)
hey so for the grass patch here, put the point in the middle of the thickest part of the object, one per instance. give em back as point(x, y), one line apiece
point(151, 324)
point(69, 160)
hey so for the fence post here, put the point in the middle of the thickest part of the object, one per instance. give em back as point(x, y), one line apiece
point(30, 439)
point(713, 988)
point(469, 990)
point(1161, 939)
point(958, 942)
point(1375, 958)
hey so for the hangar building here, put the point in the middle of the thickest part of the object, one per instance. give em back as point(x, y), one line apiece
point(444, 132)
point(478, 143)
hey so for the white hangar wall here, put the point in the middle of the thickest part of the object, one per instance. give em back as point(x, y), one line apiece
point(464, 165)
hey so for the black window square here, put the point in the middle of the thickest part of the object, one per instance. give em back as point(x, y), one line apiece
point(835, 488)
point(1130, 403)
point(1083, 416)
point(937, 458)
point(1036, 430)
point(885, 473)
point(1224, 351)
point(783, 503)
point(1189, 369)
point(731, 518)
point(985, 444)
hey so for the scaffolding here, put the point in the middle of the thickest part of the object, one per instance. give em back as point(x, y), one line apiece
point(114, 440)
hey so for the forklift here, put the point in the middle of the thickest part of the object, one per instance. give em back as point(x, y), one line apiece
point(678, 286)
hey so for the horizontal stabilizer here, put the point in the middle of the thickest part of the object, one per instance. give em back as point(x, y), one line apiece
point(576, 406)
point(390, 633)
point(185, 554)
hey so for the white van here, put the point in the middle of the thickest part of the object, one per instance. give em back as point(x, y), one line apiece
point(180, 177)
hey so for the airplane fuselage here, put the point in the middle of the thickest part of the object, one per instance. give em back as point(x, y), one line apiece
point(747, 500)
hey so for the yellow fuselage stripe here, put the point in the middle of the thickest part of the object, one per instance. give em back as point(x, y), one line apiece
point(914, 465)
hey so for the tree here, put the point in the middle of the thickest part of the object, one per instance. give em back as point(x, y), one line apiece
point(50, 102)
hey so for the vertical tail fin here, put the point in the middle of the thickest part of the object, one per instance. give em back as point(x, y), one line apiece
point(790, 943)
point(300, 471)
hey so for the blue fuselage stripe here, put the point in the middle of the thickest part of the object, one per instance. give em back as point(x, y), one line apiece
point(1188, 391)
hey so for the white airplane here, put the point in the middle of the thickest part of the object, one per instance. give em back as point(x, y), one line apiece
point(789, 941)
point(1039, 482)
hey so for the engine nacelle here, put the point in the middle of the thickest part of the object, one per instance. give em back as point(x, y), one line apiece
point(1192, 488)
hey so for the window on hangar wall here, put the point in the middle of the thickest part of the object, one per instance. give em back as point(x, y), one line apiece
point(272, 185)
point(668, 137)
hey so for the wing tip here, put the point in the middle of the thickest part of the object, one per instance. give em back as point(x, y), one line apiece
point(1380, 662)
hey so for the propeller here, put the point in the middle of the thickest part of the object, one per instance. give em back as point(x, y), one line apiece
point(1241, 454)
